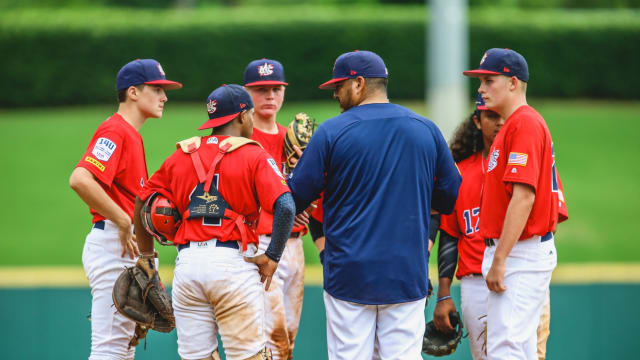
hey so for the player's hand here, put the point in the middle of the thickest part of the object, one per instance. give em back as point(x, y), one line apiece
point(301, 219)
point(128, 241)
point(441, 315)
point(294, 160)
point(266, 268)
point(495, 277)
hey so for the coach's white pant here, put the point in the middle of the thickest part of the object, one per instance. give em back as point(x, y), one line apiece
point(283, 300)
point(473, 298)
point(110, 331)
point(353, 329)
point(513, 315)
point(215, 290)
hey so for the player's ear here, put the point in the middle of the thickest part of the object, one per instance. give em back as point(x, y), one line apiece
point(514, 83)
point(133, 92)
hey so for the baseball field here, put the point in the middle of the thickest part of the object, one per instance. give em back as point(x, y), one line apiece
point(44, 297)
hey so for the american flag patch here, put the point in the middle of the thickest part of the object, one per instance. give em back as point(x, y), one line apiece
point(517, 159)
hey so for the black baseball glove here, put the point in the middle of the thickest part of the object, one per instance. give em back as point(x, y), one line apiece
point(139, 295)
point(437, 343)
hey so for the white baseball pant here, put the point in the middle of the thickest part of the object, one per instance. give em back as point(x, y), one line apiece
point(510, 332)
point(216, 291)
point(110, 330)
point(354, 330)
point(473, 298)
point(283, 300)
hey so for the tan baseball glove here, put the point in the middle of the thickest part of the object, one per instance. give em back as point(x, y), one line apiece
point(298, 133)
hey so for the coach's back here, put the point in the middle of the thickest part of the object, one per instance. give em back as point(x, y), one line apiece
point(382, 168)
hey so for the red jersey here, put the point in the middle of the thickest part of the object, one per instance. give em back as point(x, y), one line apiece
point(462, 223)
point(247, 178)
point(563, 213)
point(318, 212)
point(274, 144)
point(115, 156)
point(522, 152)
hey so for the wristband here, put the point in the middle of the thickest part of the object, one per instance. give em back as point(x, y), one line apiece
point(443, 298)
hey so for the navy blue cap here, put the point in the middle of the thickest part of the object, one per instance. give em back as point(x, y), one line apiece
point(356, 63)
point(225, 103)
point(480, 103)
point(264, 72)
point(498, 61)
point(145, 71)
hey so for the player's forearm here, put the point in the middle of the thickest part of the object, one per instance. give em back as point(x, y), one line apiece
point(444, 286)
point(90, 191)
point(515, 219)
point(143, 238)
point(283, 214)
point(447, 255)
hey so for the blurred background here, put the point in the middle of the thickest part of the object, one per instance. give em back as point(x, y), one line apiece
point(58, 63)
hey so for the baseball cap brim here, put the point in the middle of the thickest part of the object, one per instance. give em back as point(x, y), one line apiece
point(266, 82)
point(218, 121)
point(479, 72)
point(482, 107)
point(331, 84)
point(166, 84)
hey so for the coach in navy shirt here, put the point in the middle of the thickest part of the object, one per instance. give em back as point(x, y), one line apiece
point(382, 168)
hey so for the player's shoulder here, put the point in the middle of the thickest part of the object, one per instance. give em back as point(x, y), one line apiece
point(526, 119)
point(115, 129)
point(470, 162)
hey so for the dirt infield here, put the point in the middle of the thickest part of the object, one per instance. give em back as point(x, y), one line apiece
point(73, 276)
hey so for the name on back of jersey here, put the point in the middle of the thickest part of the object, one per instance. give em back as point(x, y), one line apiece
point(103, 149)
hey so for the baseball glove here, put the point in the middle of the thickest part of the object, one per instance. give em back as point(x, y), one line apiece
point(139, 295)
point(437, 343)
point(298, 133)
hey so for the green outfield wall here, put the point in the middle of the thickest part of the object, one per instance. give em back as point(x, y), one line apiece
point(51, 323)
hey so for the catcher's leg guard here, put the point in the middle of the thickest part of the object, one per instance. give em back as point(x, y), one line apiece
point(264, 354)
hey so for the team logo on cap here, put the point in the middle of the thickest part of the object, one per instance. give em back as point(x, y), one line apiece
point(211, 106)
point(265, 70)
point(160, 69)
point(483, 58)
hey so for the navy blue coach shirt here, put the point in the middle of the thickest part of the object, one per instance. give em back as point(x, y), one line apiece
point(382, 168)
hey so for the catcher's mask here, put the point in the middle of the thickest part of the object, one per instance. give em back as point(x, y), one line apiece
point(161, 219)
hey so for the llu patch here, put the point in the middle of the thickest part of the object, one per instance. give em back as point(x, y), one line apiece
point(103, 149)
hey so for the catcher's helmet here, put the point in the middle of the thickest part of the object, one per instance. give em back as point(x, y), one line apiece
point(437, 343)
point(160, 217)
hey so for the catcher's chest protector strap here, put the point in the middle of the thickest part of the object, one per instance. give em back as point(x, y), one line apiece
point(206, 201)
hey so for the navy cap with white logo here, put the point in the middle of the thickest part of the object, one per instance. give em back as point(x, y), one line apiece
point(264, 72)
point(225, 103)
point(144, 71)
point(356, 63)
point(498, 61)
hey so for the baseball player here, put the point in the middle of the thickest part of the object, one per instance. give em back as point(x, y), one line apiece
point(264, 79)
point(219, 183)
point(376, 163)
point(459, 232)
point(108, 177)
point(519, 209)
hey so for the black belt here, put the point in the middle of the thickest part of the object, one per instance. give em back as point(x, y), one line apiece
point(227, 244)
point(99, 225)
point(292, 235)
point(546, 237)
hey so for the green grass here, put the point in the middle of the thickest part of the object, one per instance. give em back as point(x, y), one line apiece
point(45, 222)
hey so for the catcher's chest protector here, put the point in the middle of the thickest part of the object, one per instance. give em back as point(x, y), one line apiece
point(206, 201)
